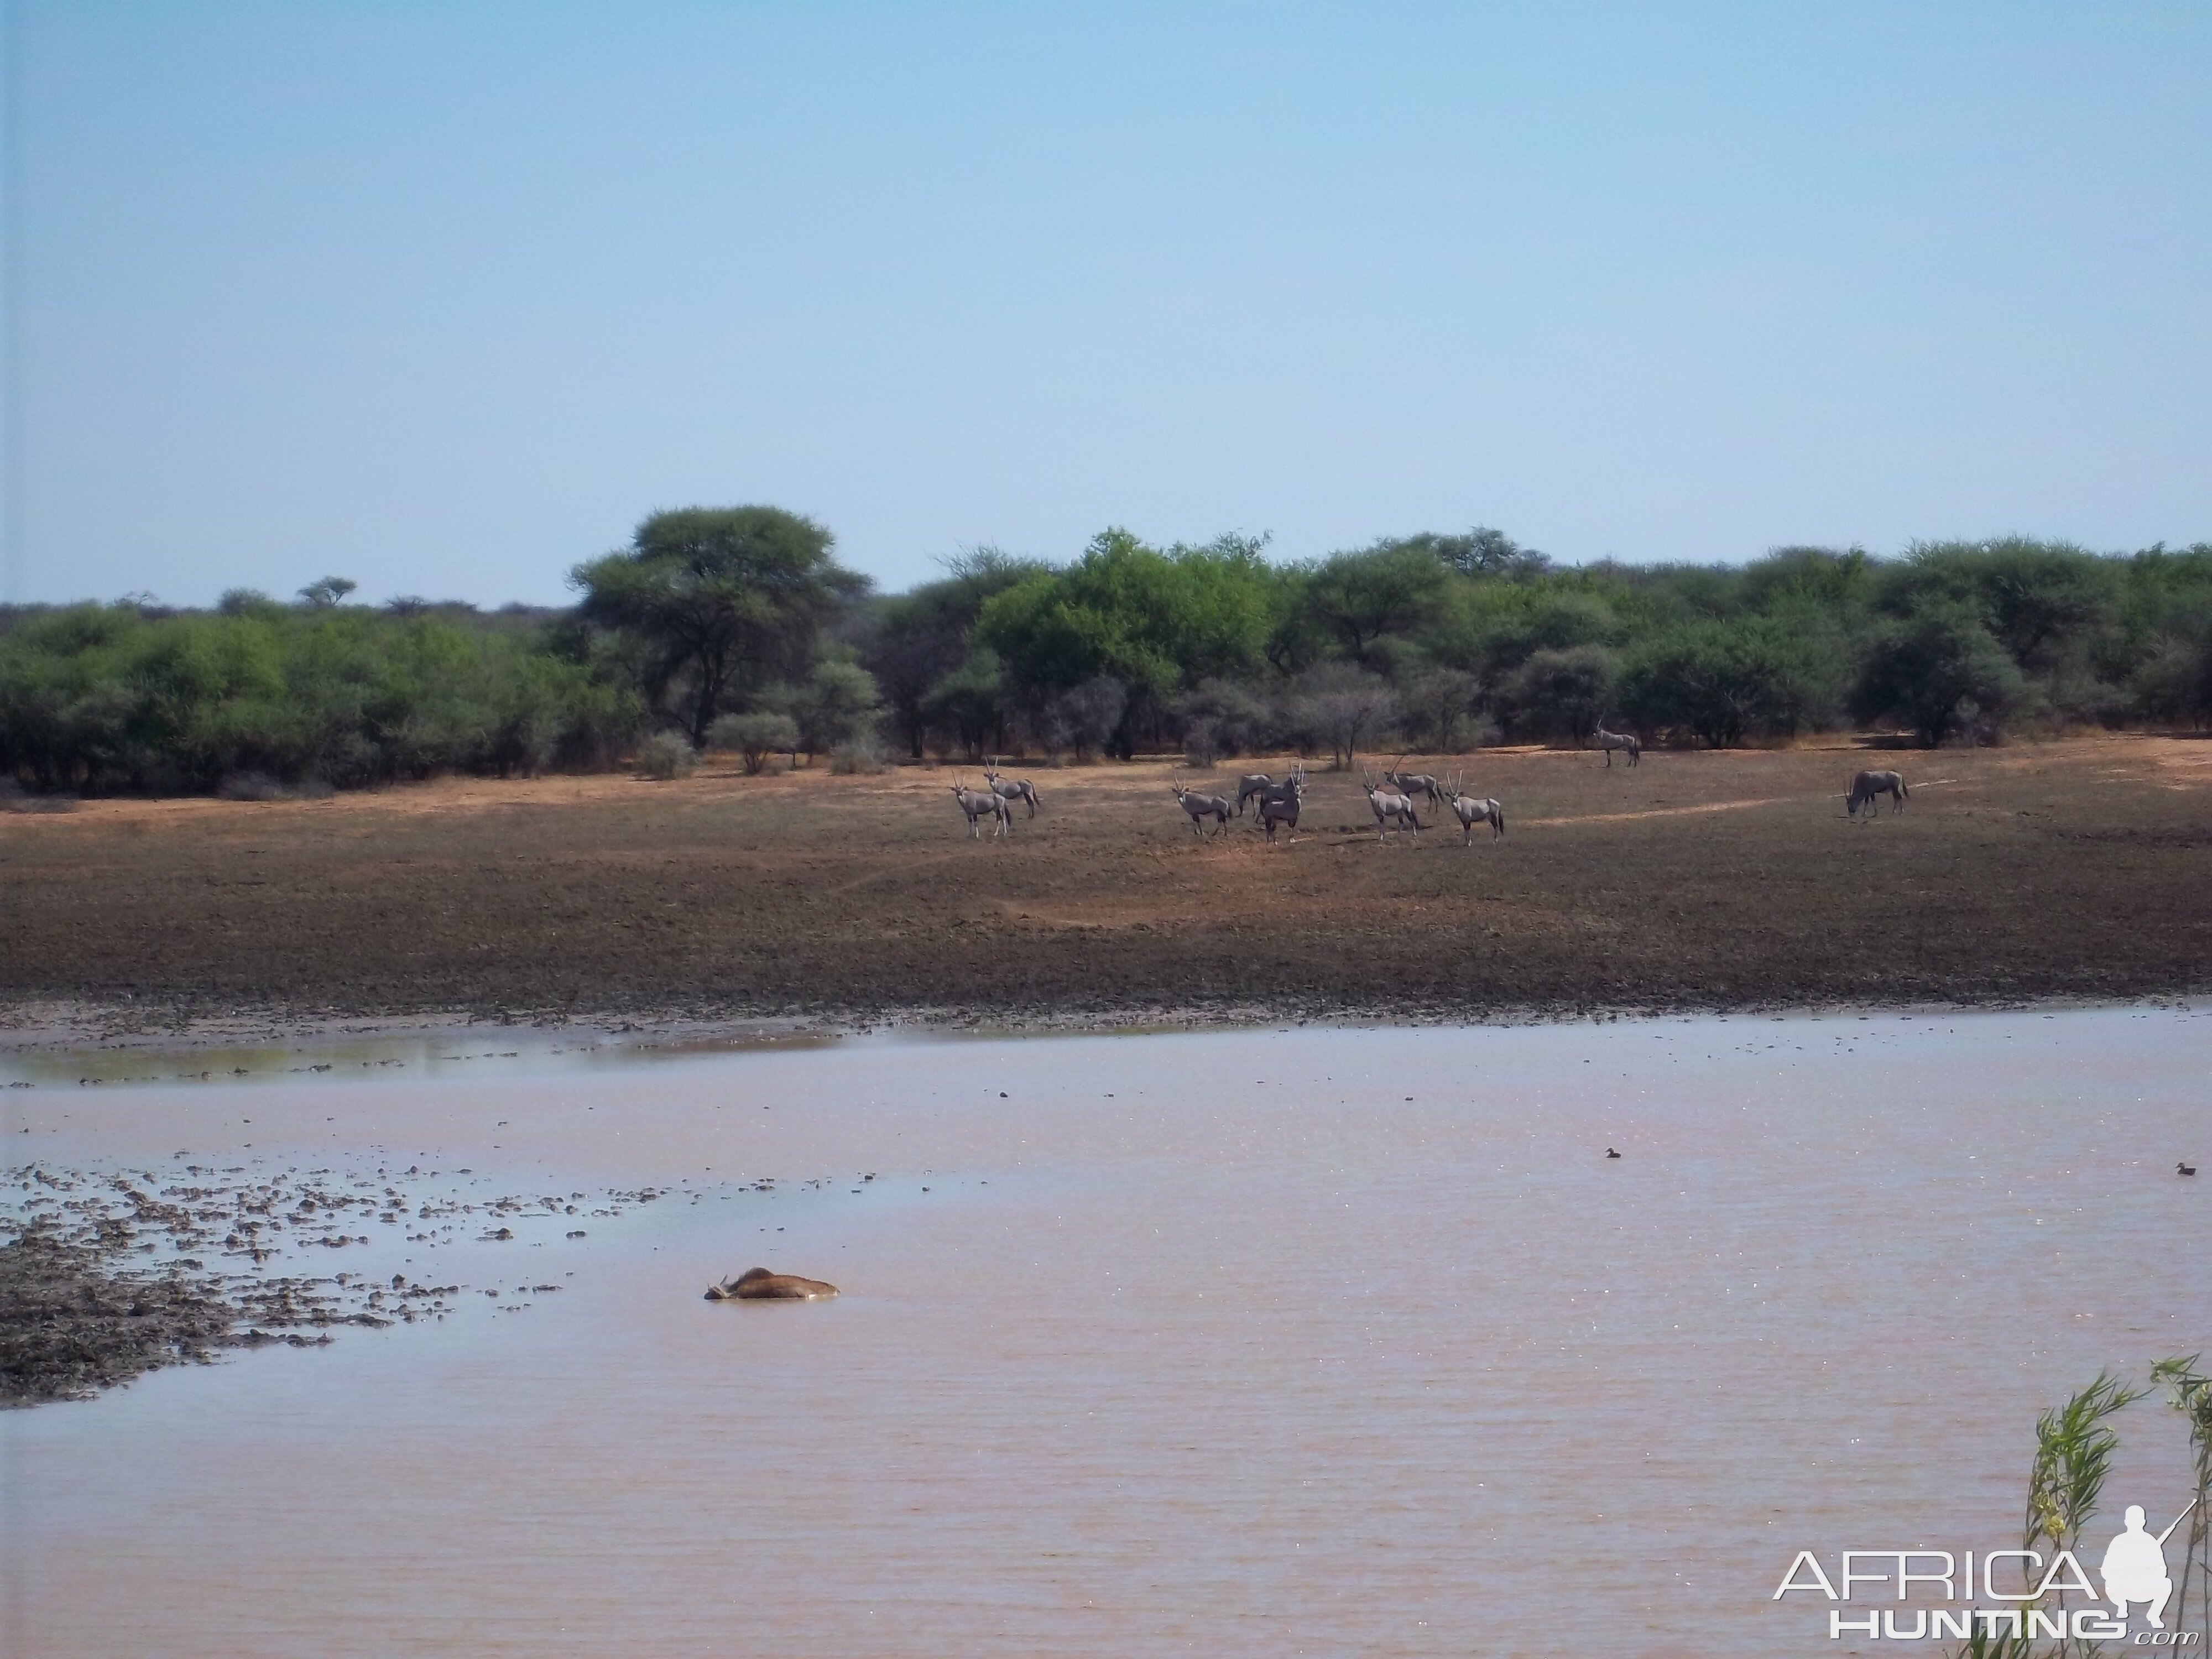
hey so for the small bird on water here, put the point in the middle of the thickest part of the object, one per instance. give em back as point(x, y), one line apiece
point(1609, 1152)
point(2185, 1168)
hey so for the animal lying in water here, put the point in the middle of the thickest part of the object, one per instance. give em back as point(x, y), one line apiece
point(762, 1285)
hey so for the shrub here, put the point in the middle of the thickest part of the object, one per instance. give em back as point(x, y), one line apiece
point(1221, 717)
point(837, 706)
point(1719, 681)
point(1089, 714)
point(665, 755)
point(755, 736)
point(863, 755)
point(1342, 709)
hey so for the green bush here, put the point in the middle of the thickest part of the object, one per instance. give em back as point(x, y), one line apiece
point(666, 755)
point(755, 736)
point(863, 755)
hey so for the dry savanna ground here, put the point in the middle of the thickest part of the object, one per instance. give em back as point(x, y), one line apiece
point(2074, 869)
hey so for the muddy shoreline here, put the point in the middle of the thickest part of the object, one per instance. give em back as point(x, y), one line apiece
point(106, 1273)
point(49, 1031)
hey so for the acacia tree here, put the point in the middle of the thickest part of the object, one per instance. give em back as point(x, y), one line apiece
point(1355, 599)
point(1928, 670)
point(1563, 692)
point(719, 599)
point(1721, 680)
point(914, 641)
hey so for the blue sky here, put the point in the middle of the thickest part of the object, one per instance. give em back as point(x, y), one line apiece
point(446, 298)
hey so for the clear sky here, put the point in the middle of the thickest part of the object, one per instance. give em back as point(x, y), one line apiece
point(445, 298)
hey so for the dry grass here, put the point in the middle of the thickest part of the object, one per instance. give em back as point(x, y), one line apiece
point(2081, 869)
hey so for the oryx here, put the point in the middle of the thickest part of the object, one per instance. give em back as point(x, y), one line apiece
point(1010, 789)
point(1416, 783)
point(1260, 784)
point(979, 804)
point(1200, 807)
point(1281, 809)
point(1868, 786)
point(1470, 811)
point(1293, 788)
point(1627, 742)
point(1389, 807)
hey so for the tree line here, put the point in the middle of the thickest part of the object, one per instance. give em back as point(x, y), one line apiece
point(737, 629)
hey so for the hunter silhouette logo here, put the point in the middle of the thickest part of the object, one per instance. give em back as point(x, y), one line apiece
point(2134, 1568)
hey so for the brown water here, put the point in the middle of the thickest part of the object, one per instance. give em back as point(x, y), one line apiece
point(1318, 1341)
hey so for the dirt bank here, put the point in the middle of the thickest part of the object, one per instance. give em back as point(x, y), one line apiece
point(2075, 870)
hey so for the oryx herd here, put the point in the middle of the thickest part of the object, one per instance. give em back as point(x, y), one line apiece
point(1395, 799)
point(995, 802)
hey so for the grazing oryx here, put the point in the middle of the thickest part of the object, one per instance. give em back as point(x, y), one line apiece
point(1390, 807)
point(1471, 811)
point(1627, 742)
point(1868, 786)
point(979, 804)
point(1201, 807)
point(1416, 783)
point(1010, 789)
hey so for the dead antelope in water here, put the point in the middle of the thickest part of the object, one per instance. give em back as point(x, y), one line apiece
point(1869, 787)
point(1010, 789)
point(761, 1285)
point(1389, 807)
point(979, 804)
point(1626, 742)
point(1201, 807)
point(1471, 811)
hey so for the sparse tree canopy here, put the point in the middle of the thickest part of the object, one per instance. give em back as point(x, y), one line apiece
point(328, 590)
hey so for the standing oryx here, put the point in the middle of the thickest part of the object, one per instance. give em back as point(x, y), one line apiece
point(1010, 789)
point(1416, 783)
point(979, 804)
point(1201, 807)
point(1471, 811)
point(1867, 787)
point(1265, 789)
point(1627, 742)
point(1389, 807)
point(1281, 806)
